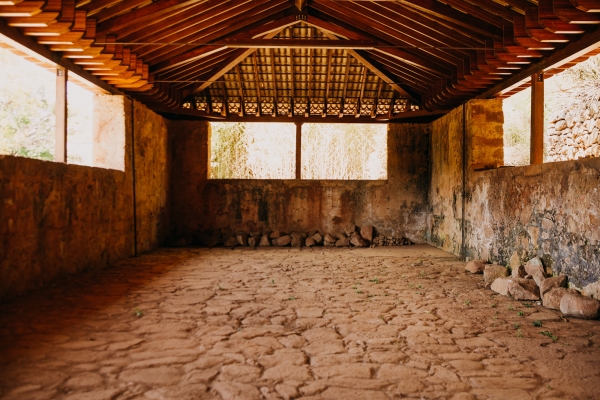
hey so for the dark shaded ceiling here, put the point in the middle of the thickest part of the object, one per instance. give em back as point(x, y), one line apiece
point(309, 59)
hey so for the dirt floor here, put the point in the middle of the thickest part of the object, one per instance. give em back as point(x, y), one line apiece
point(286, 323)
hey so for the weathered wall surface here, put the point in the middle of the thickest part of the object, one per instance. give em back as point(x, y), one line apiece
point(549, 210)
point(396, 207)
point(575, 132)
point(445, 193)
point(152, 172)
point(58, 218)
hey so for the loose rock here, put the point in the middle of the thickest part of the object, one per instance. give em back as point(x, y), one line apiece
point(343, 242)
point(231, 242)
point(366, 232)
point(535, 268)
point(500, 286)
point(576, 305)
point(553, 282)
point(317, 238)
point(276, 234)
point(358, 241)
point(296, 239)
point(309, 242)
point(329, 238)
point(523, 289)
point(475, 266)
point(264, 241)
point(493, 271)
point(242, 239)
point(519, 272)
point(284, 240)
point(252, 241)
point(552, 298)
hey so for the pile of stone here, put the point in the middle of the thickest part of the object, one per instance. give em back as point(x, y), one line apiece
point(530, 282)
point(390, 241)
point(362, 237)
point(574, 133)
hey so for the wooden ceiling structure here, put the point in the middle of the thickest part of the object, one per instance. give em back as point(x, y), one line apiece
point(321, 60)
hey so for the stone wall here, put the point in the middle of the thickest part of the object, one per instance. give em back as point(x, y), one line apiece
point(574, 133)
point(396, 207)
point(512, 214)
point(59, 219)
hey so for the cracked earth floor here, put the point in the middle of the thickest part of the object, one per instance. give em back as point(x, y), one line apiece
point(276, 323)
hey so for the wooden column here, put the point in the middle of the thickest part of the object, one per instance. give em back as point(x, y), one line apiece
point(60, 147)
point(298, 150)
point(537, 119)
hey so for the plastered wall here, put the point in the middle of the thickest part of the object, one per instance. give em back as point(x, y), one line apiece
point(396, 207)
point(515, 213)
point(58, 219)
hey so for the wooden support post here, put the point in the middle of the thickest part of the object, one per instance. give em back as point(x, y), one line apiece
point(60, 147)
point(298, 150)
point(537, 119)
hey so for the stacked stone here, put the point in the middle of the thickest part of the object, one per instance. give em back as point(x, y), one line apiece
point(574, 133)
point(391, 241)
point(530, 282)
point(362, 237)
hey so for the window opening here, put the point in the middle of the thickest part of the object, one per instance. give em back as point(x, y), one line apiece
point(571, 117)
point(253, 150)
point(344, 151)
point(27, 119)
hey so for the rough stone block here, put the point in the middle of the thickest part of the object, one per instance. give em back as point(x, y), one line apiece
point(553, 282)
point(276, 234)
point(283, 240)
point(242, 239)
point(500, 286)
point(264, 241)
point(519, 272)
point(343, 242)
point(309, 242)
point(523, 289)
point(357, 241)
point(231, 242)
point(552, 298)
point(296, 239)
point(575, 305)
point(252, 241)
point(493, 271)
point(475, 266)
point(317, 238)
point(367, 233)
point(535, 268)
point(329, 238)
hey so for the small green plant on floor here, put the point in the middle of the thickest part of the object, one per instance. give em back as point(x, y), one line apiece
point(527, 305)
point(519, 333)
point(537, 323)
point(291, 298)
point(511, 308)
point(550, 335)
point(138, 313)
point(422, 274)
point(419, 286)
point(516, 326)
point(520, 313)
point(376, 280)
point(493, 305)
point(359, 291)
point(467, 302)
